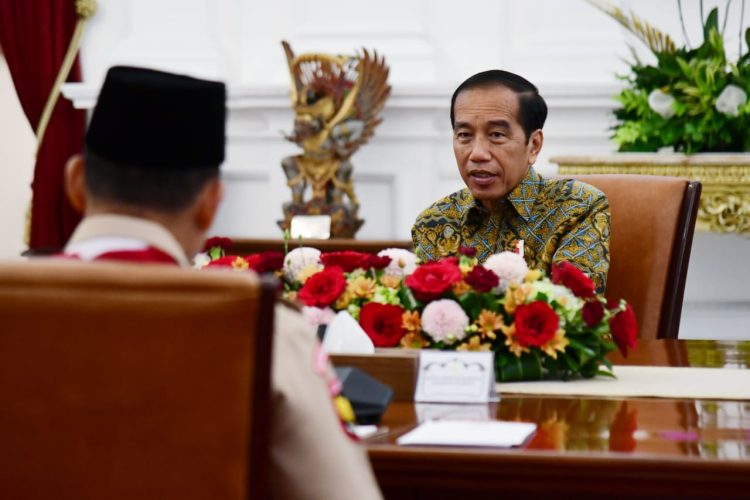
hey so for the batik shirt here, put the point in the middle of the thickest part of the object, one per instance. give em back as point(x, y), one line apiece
point(558, 219)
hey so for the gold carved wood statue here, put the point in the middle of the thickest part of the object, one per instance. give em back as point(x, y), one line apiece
point(336, 101)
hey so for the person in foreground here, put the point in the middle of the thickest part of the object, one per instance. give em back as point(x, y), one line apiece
point(149, 189)
point(497, 119)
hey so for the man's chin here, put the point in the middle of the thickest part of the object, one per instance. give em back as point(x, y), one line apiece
point(486, 196)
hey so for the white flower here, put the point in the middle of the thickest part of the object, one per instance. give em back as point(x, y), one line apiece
point(445, 320)
point(299, 259)
point(508, 266)
point(200, 260)
point(403, 262)
point(730, 100)
point(661, 103)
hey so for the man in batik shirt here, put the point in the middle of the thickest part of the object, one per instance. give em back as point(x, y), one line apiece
point(497, 120)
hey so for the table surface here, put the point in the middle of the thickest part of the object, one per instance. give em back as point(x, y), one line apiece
point(590, 446)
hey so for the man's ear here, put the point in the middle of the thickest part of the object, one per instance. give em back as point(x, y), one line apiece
point(208, 203)
point(75, 182)
point(535, 145)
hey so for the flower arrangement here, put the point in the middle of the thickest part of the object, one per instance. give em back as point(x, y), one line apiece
point(537, 326)
point(692, 99)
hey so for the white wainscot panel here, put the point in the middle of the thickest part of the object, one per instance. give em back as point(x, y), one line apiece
point(717, 294)
point(376, 192)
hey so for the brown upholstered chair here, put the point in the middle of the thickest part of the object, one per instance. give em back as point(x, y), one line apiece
point(133, 381)
point(653, 220)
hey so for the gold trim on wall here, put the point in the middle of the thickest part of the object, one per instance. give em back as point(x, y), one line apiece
point(725, 201)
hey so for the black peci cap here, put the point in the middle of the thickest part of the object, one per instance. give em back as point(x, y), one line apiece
point(151, 118)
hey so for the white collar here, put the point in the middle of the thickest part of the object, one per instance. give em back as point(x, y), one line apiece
point(121, 232)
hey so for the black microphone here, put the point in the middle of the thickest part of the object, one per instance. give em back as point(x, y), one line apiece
point(368, 396)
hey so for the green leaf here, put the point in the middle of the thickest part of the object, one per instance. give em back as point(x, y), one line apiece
point(605, 373)
point(712, 23)
point(581, 348)
point(407, 299)
point(527, 367)
point(572, 364)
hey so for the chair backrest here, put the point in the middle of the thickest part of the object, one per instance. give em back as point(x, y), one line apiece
point(133, 381)
point(652, 225)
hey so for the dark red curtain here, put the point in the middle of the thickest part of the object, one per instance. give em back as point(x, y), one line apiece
point(35, 36)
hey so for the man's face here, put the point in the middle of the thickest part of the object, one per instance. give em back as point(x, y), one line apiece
point(489, 143)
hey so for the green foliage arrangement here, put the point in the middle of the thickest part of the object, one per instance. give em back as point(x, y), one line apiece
point(692, 100)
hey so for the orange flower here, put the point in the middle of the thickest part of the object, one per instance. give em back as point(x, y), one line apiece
point(411, 322)
point(516, 296)
point(461, 288)
point(474, 344)
point(510, 340)
point(361, 287)
point(390, 281)
point(413, 340)
point(488, 322)
point(557, 343)
point(343, 301)
point(304, 274)
point(240, 263)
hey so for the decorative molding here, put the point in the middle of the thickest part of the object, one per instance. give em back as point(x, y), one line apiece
point(409, 97)
point(725, 201)
point(245, 175)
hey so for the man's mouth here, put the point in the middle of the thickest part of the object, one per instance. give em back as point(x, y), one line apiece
point(482, 177)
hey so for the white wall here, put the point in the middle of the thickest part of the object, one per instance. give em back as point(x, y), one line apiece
point(568, 48)
point(17, 144)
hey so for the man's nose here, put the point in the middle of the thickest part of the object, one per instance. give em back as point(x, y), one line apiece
point(480, 151)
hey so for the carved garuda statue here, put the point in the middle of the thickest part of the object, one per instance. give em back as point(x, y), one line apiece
point(336, 102)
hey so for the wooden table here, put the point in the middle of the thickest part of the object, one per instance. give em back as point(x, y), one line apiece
point(589, 447)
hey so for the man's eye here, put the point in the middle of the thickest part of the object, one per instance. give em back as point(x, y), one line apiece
point(497, 135)
point(463, 135)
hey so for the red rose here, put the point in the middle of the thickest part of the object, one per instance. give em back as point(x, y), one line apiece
point(482, 279)
point(536, 323)
point(265, 262)
point(377, 262)
point(217, 241)
point(346, 260)
point(467, 251)
point(593, 312)
point(430, 281)
point(624, 328)
point(568, 275)
point(382, 323)
point(323, 288)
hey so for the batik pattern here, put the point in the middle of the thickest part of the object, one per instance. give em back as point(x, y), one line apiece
point(558, 219)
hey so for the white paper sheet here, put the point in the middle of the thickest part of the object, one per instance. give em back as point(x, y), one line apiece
point(464, 433)
point(345, 336)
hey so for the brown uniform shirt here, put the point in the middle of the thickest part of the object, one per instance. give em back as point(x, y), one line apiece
point(311, 456)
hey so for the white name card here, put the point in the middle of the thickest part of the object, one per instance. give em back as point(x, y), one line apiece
point(311, 226)
point(455, 377)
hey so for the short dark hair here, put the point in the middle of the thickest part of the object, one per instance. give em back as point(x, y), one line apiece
point(532, 110)
point(165, 190)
